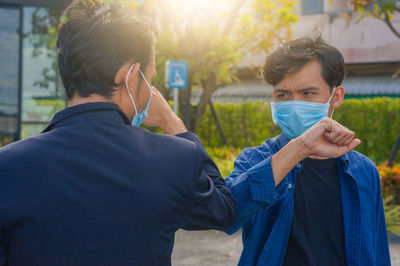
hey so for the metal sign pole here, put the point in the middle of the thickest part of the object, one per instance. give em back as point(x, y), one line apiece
point(176, 100)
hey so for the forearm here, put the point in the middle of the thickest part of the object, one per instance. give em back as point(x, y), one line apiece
point(173, 126)
point(287, 158)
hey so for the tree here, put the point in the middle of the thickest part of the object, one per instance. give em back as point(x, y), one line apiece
point(383, 10)
point(212, 36)
point(214, 40)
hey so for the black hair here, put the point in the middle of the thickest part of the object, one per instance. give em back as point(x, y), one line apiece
point(291, 56)
point(96, 40)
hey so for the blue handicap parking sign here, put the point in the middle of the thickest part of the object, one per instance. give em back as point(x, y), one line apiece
point(176, 74)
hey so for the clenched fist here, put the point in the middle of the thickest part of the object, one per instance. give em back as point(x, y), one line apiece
point(328, 138)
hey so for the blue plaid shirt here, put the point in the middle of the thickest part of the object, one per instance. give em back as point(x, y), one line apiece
point(266, 212)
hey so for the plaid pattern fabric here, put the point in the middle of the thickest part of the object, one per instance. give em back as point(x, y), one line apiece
point(265, 212)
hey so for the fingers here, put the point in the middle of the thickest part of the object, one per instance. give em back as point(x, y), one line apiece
point(353, 144)
point(338, 134)
point(343, 137)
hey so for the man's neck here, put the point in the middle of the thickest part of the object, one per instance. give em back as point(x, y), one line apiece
point(76, 100)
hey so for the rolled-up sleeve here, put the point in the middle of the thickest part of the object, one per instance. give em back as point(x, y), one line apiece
point(212, 205)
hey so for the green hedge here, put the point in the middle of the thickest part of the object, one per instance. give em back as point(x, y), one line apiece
point(376, 122)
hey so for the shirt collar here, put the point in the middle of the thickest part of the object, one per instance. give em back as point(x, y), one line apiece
point(96, 110)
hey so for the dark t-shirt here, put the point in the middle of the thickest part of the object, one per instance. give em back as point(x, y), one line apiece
point(316, 236)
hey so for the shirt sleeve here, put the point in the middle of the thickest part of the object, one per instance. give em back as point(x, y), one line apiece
point(382, 256)
point(252, 185)
point(212, 205)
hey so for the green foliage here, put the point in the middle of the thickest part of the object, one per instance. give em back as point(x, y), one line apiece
point(392, 215)
point(390, 183)
point(377, 9)
point(224, 158)
point(383, 10)
point(4, 140)
point(244, 124)
point(270, 24)
point(376, 122)
point(214, 40)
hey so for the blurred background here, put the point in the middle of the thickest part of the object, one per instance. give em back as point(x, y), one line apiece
point(225, 43)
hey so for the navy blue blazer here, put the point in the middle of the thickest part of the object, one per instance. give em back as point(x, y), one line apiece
point(94, 190)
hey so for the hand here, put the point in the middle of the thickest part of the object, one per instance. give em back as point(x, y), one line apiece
point(161, 115)
point(329, 139)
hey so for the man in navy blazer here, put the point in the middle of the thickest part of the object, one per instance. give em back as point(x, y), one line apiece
point(92, 189)
point(96, 189)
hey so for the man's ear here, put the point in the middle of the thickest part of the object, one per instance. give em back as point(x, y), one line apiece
point(120, 77)
point(337, 97)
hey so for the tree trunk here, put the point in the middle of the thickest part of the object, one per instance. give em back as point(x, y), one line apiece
point(209, 86)
point(390, 25)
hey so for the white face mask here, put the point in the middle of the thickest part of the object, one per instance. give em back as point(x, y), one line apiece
point(138, 118)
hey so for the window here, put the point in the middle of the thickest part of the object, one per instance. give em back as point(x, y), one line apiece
point(9, 74)
point(310, 7)
point(42, 90)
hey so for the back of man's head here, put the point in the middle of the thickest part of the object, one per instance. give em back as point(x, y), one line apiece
point(291, 56)
point(95, 41)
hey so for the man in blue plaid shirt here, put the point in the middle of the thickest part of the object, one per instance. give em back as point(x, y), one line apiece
point(304, 197)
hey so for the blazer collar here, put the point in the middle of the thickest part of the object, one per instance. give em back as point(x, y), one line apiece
point(87, 111)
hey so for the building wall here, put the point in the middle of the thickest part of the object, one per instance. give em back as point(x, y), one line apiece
point(370, 49)
point(366, 41)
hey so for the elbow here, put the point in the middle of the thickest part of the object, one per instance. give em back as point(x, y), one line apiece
point(230, 216)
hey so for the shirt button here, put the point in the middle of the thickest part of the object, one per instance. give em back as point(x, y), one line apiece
point(290, 186)
point(298, 165)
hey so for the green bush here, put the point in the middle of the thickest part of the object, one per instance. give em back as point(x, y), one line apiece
point(392, 216)
point(376, 122)
point(244, 124)
point(224, 158)
point(390, 182)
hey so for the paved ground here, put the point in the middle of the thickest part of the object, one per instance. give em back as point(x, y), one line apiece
point(212, 248)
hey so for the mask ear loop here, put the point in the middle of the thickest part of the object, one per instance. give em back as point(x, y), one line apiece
point(127, 87)
point(329, 101)
point(150, 88)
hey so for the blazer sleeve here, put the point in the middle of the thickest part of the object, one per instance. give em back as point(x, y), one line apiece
point(212, 205)
point(2, 251)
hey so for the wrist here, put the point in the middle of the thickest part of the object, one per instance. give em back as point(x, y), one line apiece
point(173, 125)
point(300, 148)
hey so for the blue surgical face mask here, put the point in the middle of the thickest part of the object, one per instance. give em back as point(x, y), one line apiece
point(138, 118)
point(295, 117)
